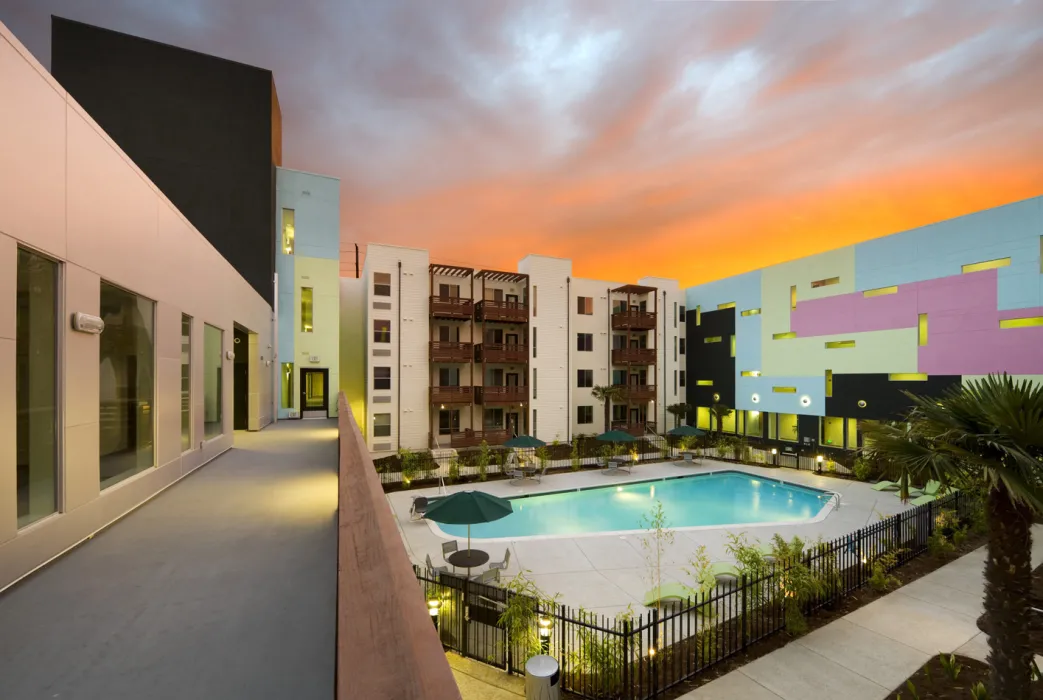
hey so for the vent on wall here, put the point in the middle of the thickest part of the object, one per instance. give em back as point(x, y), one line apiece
point(880, 291)
point(825, 283)
point(783, 336)
point(986, 265)
point(839, 344)
point(784, 389)
point(751, 312)
point(1026, 322)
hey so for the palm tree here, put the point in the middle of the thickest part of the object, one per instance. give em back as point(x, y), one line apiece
point(720, 411)
point(678, 410)
point(607, 394)
point(989, 434)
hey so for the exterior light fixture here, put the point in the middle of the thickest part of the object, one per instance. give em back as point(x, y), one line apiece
point(774, 457)
point(716, 397)
point(861, 403)
point(651, 652)
point(229, 355)
point(756, 398)
point(545, 625)
point(774, 451)
point(86, 323)
point(432, 609)
point(805, 400)
point(819, 459)
point(754, 414)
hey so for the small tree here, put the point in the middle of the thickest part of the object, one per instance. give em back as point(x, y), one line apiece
point(525, 600)
point(574, 453)
point(607, 394)
point(720, 411)
point(678, 411)
point(484, 456)
point(659, 538)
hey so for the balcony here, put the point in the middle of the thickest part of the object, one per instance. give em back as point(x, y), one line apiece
point(633, 321)
point(638, 392)
point(489, 395)
point(636, 429)
point(502, 311)
point(451, 394)
point(451, 352)
point(452, 307)
point(498, 352)
point(473, 438)
point(633, 356)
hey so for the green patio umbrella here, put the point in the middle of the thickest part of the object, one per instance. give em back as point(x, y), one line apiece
point(469, 508)
point(616, 436)
point(685, 431)
point(522, 441)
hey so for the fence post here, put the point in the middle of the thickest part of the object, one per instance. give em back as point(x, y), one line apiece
point(464, 621)
point(930, 519)
point(652, 659)
point(743, 622)
point(627, 660)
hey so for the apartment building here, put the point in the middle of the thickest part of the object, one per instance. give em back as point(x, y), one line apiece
point(805, 349)
point(456, 356)
point(308, 302)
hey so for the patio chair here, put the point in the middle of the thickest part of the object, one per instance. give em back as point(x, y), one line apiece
point(436, 569)
point(488, 577)
point(538, 476)
point(669, 593)
point(502, 565)
point(449, 547)
point(512, 468)
point(418, 507)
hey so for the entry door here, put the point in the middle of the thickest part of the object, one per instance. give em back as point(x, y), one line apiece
point(635, 416)
point(511, 379)
point(314, 393)
point(512, 299)
point(512, 424)
point(511, 339)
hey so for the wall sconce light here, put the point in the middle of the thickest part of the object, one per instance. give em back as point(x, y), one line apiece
point(774, 457)
point(85, 323)
point(805, 400)
point(267, 363)
point(716, 397)
point(229, 355)
point(756, 398)
point(861, 403)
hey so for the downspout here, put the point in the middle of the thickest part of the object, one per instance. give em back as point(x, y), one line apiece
point(662, 425)
point(399, 432)
point(568, 359)
point(356, 261)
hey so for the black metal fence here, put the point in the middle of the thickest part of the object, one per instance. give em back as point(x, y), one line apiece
point(640, 657)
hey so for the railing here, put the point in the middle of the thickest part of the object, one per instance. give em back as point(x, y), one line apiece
point(638, 392)
point(636, 429)
point(451, 394)
point(501, 394)
point(633, 320)
point(633, 356)
point(642, 657)
point(451, 352)
point(498, 352)
point(503, 311)
point(452, 307)
point(386, 646)
point(474, 438)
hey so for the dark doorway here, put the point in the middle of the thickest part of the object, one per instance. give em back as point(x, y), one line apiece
point(512, 424)
point(241, 380)
point(315, 393)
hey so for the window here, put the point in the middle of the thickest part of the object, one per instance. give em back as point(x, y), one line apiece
point(713, 339)
point(754, 424)
point(681, 378)
point(732, 342)
point(751, 373)
point(584, 415)
point(381, 284)
point(1023, 322)
point(698, 315)
point(682, 344)
point(682, 312)
point(907, 377)
point(36, 387)
point(793, 297)
point(535, 297)
point(534, 384)
point(381, 331)
point(784, 389)
point(306, 309)
point(448, 376)
point(584, 378)
point(921, 329)
point(704, 382)
point(127, 384)
point(675, 381)
point(287, 231)
point(585, 342)
point(788, 427)
point(702, 417)
point(493, 419)
point(726, 305)
point(772, 420)
point(831, 431)
point(585, 306)
point(534, 342)
point(382, 378)
point(987, 265)
point(286, 382)
point(448, 421)
point(534, 421)
point(381, 425)
point(186, 382)
point(880, 291)
point(783, 336)
point(852, 433)
point(448, 291)
point(675, 348)
point(619, 413)
point(675, 314)
point(839, 344)
point(829, 383)
point(619, 376)
point(213, 381)
point(825, 283)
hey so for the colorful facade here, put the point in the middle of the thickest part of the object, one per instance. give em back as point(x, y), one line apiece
point(804, 349)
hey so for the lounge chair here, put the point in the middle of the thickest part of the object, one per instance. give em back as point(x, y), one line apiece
point(488, 577)
point(669, 593)
point(923, 500)
point(886, 485)
point(436, 569)
point(417, 509)
point(502, 565)
point(725, 570)
point(932, 489)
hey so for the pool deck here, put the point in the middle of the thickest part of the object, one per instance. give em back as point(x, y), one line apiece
point(606, 573)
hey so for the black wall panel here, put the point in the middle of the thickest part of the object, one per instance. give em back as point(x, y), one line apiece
point(200, 127)
point(711, 361)
point(884, 398)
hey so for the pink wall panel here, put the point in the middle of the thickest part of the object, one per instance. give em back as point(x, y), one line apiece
point(853, 313)
point(1015, 351)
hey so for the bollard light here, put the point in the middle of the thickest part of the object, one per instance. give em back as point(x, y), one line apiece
point(432, 609)
point(819, 459)
point(545, 625)
point(651, 652)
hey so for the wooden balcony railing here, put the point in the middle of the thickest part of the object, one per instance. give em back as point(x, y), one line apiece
point(501, 394)
point(498, 352)
point(638, 392)
point(451, 394)
point(473, 438)
point(502, 311)
point(633, 356)
point(635, 429)
point(633, 321)
point(451, 352)
point(452, 307)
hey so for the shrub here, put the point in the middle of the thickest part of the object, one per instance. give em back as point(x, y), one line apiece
point(483, 461)
point(881, 580)
point(939, 545)
point(408, 459)
point(863, 469)
point(796, 581)
point(574, 454)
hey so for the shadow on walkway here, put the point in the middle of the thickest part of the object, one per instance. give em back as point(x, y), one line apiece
point(222, 587)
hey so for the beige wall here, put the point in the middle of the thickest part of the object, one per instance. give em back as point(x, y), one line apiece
point(68, 192)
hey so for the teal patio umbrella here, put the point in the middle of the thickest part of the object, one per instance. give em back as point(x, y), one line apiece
point(523, 441)
point(616, 436)
point(685, 431)
point(469, 508)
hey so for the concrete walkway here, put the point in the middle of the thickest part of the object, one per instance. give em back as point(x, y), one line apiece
point(868, 653)
point(222, 587)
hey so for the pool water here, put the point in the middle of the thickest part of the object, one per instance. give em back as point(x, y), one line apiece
point(719, 498)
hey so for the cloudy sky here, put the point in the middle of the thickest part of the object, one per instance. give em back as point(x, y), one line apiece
point(681, 139)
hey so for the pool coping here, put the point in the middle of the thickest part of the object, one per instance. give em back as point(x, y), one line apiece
point(822, 514)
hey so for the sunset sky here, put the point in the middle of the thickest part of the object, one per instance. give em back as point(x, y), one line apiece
point(692, 140)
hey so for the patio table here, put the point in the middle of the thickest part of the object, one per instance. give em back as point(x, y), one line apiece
point(468, 558)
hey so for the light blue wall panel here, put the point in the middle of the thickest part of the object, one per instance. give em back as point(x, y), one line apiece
point(315, 200)
point(812, 387)
point(744, 290)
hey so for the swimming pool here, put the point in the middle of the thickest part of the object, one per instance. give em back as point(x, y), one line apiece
point(702, 500)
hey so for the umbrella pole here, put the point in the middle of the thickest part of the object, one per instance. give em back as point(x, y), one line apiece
point(468, 539)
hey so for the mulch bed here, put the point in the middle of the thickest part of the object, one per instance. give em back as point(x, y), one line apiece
point(931, 682)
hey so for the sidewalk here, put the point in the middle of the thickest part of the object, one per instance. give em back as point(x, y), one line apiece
point(868, 653)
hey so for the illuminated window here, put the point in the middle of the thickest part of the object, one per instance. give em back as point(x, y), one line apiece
point(381, 284)
point(381, 331)
point(698, 315)
point(306, 309)
point(751, 373)
point(754, 423)
point(831, 431)
point(381, 425)
point(1026, 322)
point(287, 231)
point(783, 336)
point(907, 377)
point(726, 305)
point(702, 417)
point(788, 427)
point(793, 297)
point(286, 383)
point(880, 291)
point(825, 283)
point(751, 312)
point(704, 382)
point(921, 329)
point(713, 339)
point(852, 433)
point(784, 389)
point(986, 265)
point(839, 344)
point(733, 345)
point(829, 383)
